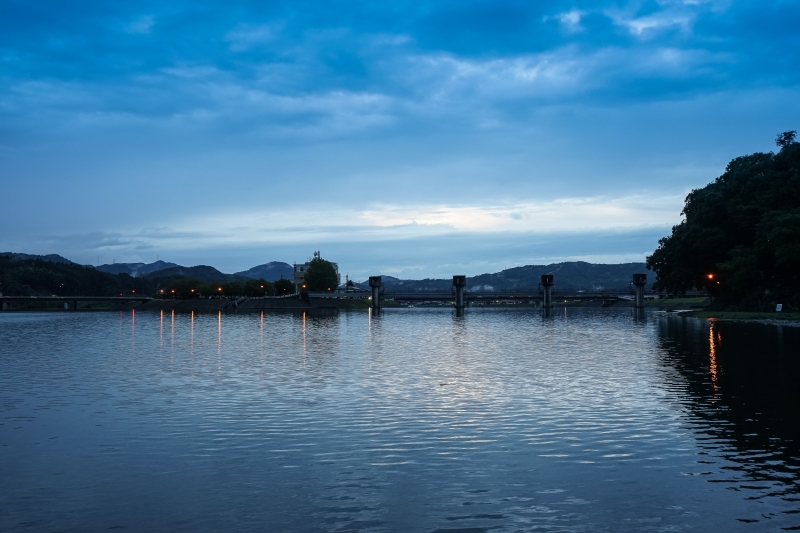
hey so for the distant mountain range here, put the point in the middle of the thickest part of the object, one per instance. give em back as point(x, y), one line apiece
point(272, 271)
point(53, 258)
point(201, 272)
point(575, 275)
point(136, 269)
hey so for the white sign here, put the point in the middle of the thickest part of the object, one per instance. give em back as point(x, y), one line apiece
point(778, 307)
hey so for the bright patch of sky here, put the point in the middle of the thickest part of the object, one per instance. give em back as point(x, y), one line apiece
point(407, 138)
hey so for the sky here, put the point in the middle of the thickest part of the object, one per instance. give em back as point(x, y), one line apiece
point(414, 139)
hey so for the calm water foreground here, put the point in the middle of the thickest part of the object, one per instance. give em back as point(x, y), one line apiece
point(590, 420)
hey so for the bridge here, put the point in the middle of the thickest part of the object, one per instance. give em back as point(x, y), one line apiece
point(462, 298)
point(485, 296)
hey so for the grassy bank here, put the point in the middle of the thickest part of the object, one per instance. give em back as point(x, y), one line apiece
point(744, 315)
point(672, 304)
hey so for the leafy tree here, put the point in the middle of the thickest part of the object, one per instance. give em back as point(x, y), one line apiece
point(321, 276)
point(184, 288)
point(283, 287)
point(743, 230)
point(258, 287)
point(786, 138)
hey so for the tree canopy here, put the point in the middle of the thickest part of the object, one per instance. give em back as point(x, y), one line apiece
point(193, 288)
point(283, 287)
point(321, 276)
point(740, 237)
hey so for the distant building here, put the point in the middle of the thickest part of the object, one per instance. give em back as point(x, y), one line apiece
point(301, 269)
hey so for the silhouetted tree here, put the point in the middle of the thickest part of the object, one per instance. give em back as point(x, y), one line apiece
point(283, 287)
point(321, 276)
point(786, 138)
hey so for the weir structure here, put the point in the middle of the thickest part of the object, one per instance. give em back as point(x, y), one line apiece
point(462, 299)
point(639, 281)
point(459, 283)
point(460, 302)
point(375, 283)
point(547, 284)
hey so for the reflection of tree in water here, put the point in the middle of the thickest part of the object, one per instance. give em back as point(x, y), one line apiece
point(743, 383)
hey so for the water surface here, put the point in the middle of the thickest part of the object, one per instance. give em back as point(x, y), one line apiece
point(590, 420)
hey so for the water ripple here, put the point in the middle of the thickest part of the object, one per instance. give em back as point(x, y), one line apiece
point(416, 420)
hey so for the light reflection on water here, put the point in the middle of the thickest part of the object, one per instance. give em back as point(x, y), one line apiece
point(410, 420)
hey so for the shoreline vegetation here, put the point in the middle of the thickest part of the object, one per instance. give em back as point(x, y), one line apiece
point(739, 240)
point(745, 316)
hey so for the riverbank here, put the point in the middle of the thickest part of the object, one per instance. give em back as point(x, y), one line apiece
point(783, 319)
point(259, 304)
point(340, 303)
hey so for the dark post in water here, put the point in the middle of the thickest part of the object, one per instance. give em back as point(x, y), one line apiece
point(459, 282)
point(639, 281)
point(547, 283)
point(375, 282)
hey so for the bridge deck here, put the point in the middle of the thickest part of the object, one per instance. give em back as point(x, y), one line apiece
point(477, 296)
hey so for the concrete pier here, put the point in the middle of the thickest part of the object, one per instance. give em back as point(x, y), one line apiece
point(376, 282)
point(639, 281)
point(459, 283)
point(547, 284)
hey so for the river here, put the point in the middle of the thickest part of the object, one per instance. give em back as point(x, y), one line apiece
point(416, 420)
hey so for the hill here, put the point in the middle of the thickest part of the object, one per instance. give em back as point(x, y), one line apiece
point(136, 269)
point(201, 272)
point(39, 277)
point(574, 275)
point(272, 271)
point(53, 258)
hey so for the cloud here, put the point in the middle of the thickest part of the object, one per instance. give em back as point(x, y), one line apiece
point(246, 36)
point(570, 20)
point(141, 24)
point(642, 26)
point(383, 222)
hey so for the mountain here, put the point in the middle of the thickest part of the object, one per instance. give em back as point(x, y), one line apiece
point(272, 271)
point(136, 269)
point(40, 276)
point(53, 258)
point(574, 275)
point(200, 272)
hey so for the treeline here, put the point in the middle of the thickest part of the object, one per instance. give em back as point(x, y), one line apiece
point(32, 277)
point(187, 288)
point(740, 239)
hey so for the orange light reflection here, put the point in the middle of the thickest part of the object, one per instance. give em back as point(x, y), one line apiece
point(712, 355)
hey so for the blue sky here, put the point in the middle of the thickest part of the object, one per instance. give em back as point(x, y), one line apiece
point(407, 138)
